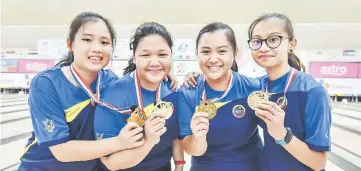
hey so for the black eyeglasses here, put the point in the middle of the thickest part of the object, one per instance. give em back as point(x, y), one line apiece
point(272, 42)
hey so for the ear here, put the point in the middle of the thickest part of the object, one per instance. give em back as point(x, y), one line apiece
point(293, 44)
point(133, 57)
point(69, 45)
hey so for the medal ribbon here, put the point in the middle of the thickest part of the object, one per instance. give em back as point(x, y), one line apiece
point(229, 86)
point(95, 99)
point(290, 78)
point(139, 93)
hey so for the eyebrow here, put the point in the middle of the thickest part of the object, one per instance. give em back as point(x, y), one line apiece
point(87, 34)
point(224, 46)
point(161, 50)
point(219, 47)
point(270, 34)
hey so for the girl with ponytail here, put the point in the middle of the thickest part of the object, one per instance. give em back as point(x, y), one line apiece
point(296, 119)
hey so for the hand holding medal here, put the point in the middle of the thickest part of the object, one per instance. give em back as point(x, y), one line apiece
point(154, 127)
point(200, 124)
point(273, 116)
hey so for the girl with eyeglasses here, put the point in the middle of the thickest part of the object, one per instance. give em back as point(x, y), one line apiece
point(293, 107)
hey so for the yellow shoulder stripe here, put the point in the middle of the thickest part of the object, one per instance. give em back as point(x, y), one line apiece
point(218, 105)
point(72, 112)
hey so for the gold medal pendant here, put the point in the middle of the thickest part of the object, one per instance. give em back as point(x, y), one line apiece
point(256, 98)
point(164, 107)
point(138, 116)
point(208, 107)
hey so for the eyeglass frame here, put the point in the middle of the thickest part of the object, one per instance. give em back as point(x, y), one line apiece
point(265, 40)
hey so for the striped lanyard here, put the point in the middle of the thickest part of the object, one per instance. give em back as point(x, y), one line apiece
point(290, 78)
point(229, 86)
point(95, 98)
point(139, 92)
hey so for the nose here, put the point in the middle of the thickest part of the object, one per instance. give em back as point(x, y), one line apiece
point(154, 61)
point(96, 47)
point(264, 47)
point(213, 58)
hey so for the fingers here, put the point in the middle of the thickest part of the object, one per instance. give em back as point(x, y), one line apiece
point(193, 80)
point(186, 84)
point(276, 107)
point(266, 106)
point(157, 120)
point(265, 114)
point(157, 127)
point(166, 78)
point(174, 84)
point(136, 131)
point(267, 121)
point(200, 114)
point(138, 143)
point(137, 137)
point(130, 126)
point(155, 115)
point(161, 131)
point(201, 120)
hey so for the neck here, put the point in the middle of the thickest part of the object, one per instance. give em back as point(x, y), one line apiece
point(87, 76)
point(219, 84)
point(148, 85)
point(277, 72)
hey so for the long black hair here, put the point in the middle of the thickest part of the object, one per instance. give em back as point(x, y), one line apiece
point(293, 60)
point(144, 30)
point(228, 31)
point(75, 25)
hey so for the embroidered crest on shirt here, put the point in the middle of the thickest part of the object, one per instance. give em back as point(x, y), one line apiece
point(49, 125)
point(99, 135)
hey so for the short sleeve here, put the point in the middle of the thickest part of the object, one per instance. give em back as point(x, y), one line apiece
point(48, 119)
point(108, 77)
point(185, 113)
point(318, 119)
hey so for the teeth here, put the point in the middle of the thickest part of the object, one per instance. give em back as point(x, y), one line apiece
point(214, 67)
point(95, 58)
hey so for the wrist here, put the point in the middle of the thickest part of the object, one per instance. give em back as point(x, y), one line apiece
point(280, 135)
point(179, 163)
point(118, 143)
point(150, 143)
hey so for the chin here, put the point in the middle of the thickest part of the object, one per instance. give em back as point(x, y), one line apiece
point(155, 78)
point(214, 75)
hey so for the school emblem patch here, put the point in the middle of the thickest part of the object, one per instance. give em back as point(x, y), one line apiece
point(238, 111)
point(99, 136)
point(49, 125)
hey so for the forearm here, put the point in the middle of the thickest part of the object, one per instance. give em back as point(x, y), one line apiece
point(85, 150)
point(178, 153)
point(194, 146)
point(127, 158)
point(301, 151)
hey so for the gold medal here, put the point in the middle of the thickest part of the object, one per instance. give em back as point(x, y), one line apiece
point(164, 107)
point(138, 116)
point(208, 107)
point(256, 98)
point(282, 102)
